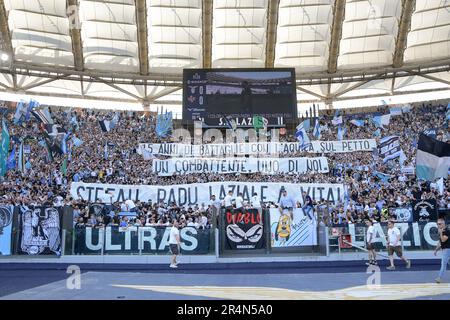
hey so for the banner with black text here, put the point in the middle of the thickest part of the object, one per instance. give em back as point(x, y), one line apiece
point(198, 193)
point(269, 166)
point(263, 148)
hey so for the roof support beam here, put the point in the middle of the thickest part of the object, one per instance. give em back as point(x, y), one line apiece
point(119, 89)
point(310, 92)
point(162, 93)
point(207, 19)
point(5, 35)
point(37, 84)
point(355, 86)
point(336, 34)
point(73, 14)
point(430, 77)
point(272, 24)
point(408, 7)
point(141, 21)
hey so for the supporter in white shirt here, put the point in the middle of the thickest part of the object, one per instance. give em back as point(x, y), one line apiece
point(394, 245)
point(255, 202)
point(130, 205)
point(214, 202)
point(239, 202)
point(228, 201)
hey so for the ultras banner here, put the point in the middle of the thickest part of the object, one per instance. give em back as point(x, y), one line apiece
point(296, 232)
point(198, 193)
point(148, 240)
point(232, 149)
point(173, 166)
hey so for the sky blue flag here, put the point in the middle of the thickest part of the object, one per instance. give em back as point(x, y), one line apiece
point(307, 124)
point(381, 121)
point(76, 141)
point(114, 121)
point(377, 133)
point(341, 133)
point(448, 112)
point(12, 159)
point(73, 121)
point(316, 131)
point(164, 125)
point(20, 109)
point(301, 134)
point(64, 143)
point(382, 176)
point(357, 122)
point(395, 111)
point(21, 161)
point(5, 148)
point(105, 151)
point(31, 105)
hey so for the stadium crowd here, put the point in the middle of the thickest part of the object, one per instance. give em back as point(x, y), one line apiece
point(111, 157)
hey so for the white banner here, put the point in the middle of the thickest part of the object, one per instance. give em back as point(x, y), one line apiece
point(300, 231)
point(198, 193)
point(264, 148)
point(240, 165)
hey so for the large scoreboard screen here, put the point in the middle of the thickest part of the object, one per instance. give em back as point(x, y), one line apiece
point(216, 96)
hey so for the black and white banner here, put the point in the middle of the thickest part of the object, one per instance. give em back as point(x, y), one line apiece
point(417, 235)
point(389, 148)
point(425, 210)
point(232, 149)
point(40, 230)
point(269, 166)
point(198, 193)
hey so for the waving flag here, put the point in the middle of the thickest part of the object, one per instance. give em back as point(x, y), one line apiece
point(301, 134)
point(114, 121)
point(76, 141)
point(357, 122)
point(105, 125)
point(406, 108)
point(164, 125)
point(12, 159)
point(447, 114)
point(377, 133)
point(20, 111)
point(31, 105)
point(316, 131)
point(381, 121)
point(395, 111)
point(42, 115)
point(337, 120)
point(307, 124)
point(432, 159)
point(5, 148)
point(341, 133)
point(21, 162)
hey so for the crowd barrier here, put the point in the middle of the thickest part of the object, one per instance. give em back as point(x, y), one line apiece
point(50, 231)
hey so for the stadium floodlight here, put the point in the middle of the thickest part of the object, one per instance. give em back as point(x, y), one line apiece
point(4, 57)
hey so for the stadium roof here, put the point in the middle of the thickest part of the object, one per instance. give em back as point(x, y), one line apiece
point(135, 50)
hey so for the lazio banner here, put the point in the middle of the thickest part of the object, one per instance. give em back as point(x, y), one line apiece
point(198, 193)
point(263, 148)
point(269, 166)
